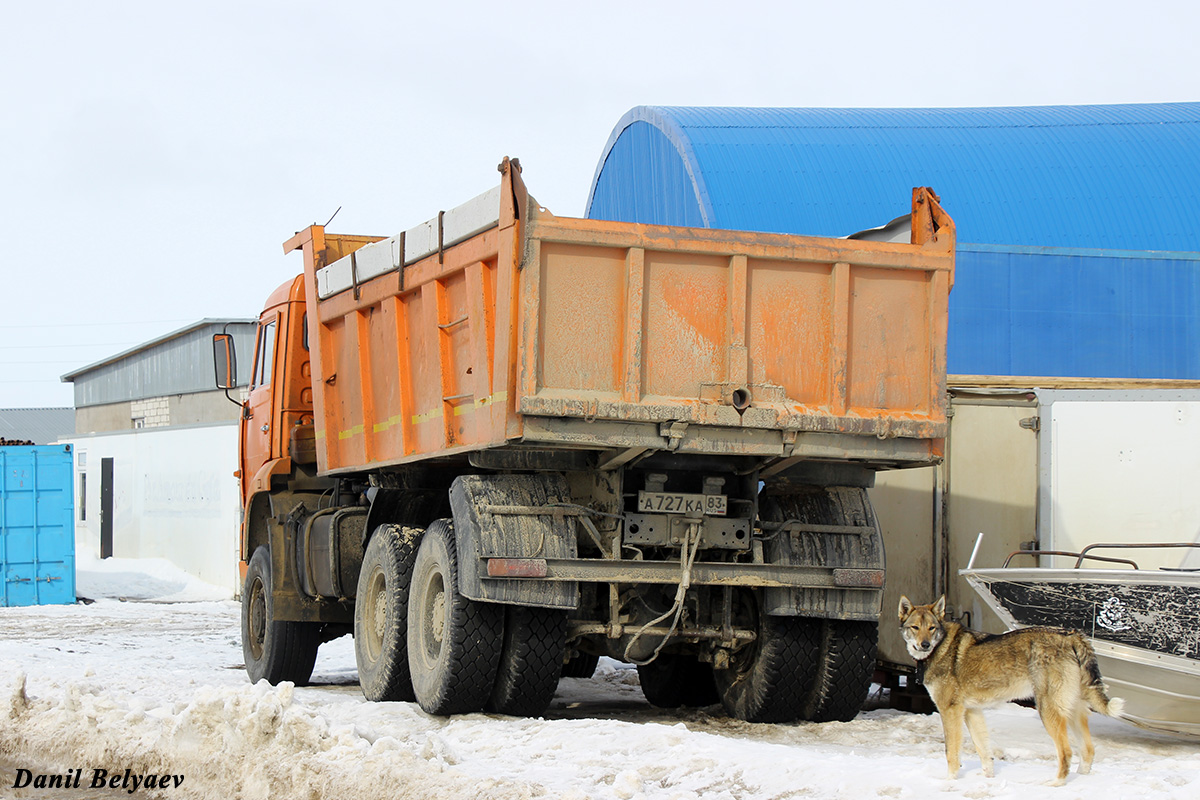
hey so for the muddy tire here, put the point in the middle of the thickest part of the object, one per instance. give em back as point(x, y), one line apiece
point(274, 650)
point(843, 651)
point(770, 679)
point(581, 666)
point(530, 660)
point(845, 666)
point(671, 681)
point(381, 614)
point(454, 643)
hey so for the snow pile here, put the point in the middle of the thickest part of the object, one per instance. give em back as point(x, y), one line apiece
point(140, 579)
point(251, 742)
point(258, 742)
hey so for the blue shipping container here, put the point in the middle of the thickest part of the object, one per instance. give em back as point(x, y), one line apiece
point(37, 525)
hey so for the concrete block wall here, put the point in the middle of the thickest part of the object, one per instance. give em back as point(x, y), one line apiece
point(153, 412)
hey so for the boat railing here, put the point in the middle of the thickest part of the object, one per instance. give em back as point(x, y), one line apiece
point(1086, 552)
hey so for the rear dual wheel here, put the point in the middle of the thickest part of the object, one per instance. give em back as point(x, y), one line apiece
point(381, 613)
point(770, 679)
point(845, 666)
point(465, 655)
point(800, 668)
point(416, 637)
point(531, 660)
point(454, 643)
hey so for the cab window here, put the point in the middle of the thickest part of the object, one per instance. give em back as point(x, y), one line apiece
point(264, 358)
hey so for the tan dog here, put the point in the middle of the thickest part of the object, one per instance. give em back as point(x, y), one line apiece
point(966, 671)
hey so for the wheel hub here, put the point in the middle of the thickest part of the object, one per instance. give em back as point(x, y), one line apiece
point(258, 619)
point(379, 617)
point(438, 628)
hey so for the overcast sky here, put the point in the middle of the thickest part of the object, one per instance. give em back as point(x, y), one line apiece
point(154, 155)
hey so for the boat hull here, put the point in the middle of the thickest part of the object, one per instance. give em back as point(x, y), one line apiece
point(1144, 626)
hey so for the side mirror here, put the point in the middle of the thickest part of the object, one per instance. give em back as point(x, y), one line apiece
point(225, 360)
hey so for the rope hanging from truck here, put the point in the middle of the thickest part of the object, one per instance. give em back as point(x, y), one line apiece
point(687, 559)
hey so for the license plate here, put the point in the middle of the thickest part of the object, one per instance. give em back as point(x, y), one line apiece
point(677, 503)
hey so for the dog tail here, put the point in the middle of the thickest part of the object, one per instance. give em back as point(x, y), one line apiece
point(1094, 691)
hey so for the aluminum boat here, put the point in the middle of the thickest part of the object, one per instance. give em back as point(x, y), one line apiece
point(1144, 625)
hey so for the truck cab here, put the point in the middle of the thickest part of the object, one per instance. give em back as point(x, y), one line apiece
point(277, 415)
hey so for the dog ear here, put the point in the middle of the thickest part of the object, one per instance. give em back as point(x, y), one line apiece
point(906, 607)
point(939, 607)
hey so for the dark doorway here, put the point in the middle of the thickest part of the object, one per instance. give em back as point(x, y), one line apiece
point(106, 508)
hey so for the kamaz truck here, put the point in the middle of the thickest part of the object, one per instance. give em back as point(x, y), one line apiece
point(502, 443)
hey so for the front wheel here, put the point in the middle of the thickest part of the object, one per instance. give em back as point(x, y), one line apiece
point(274, 650)
point(453, 643)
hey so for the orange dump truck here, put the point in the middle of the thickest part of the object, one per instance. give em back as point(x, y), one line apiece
point(502, 444)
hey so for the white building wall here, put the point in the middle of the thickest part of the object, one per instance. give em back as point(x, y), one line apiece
point(174, 496)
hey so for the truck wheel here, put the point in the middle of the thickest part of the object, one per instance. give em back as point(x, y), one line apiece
point(770, 679)
point(844, 659)
point(381, 613)
point(530, 660)
point(672, 680)
point(844, 670)
point(274, 650)
point(453, 643)
point(581, 666)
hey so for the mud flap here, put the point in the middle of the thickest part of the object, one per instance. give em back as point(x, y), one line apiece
point(483, 530)
point(831, 527)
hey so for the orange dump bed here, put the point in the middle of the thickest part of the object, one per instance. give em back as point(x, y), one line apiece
point(501, 324)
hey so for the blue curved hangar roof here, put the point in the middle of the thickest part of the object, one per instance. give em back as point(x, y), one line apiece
point(1054, 206)
point(1114, 177)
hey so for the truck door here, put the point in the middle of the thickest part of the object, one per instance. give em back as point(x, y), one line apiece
point(259, 434)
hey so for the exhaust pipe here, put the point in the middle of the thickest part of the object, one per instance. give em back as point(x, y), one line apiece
point(740, 399)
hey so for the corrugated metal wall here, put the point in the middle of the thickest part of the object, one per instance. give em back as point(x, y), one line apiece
point(179, 365)
point(38, 425)
point(1075, 313)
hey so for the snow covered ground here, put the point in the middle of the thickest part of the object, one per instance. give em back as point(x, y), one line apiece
point(157, 687)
